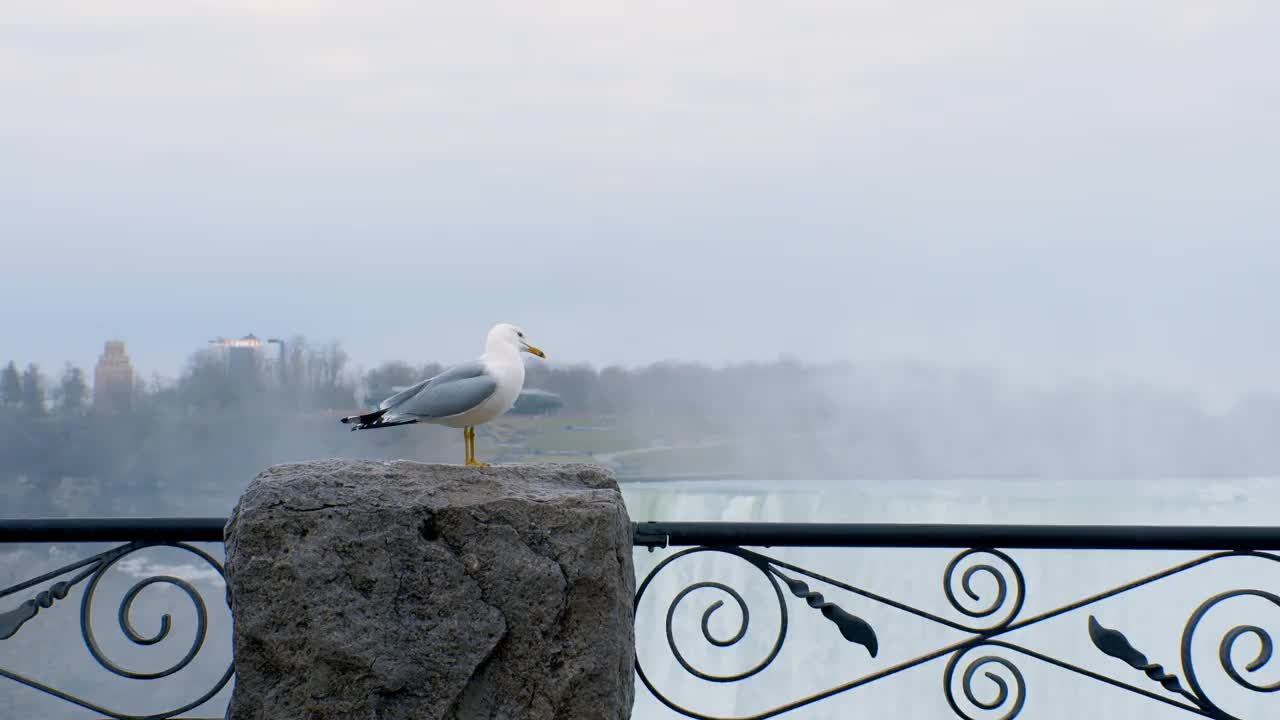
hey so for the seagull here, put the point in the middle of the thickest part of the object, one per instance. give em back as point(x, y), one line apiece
point(463, 396)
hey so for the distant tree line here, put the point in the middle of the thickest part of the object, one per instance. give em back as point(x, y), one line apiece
point(26, 390)
point(181, 444)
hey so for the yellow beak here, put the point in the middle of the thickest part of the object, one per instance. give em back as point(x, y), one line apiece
point(534, 351)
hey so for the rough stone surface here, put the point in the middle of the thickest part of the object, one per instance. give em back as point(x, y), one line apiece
point(388, 590)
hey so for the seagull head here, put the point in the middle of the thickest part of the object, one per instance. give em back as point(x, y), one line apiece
point(509, 336)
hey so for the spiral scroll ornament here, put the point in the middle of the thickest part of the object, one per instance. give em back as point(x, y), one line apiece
point(976, 606)
point(1115, 644)
point(94, 570)
point(125, 617)
point(1007, 701)
point(851, 627)
point(720, 642)
point(1225, 648)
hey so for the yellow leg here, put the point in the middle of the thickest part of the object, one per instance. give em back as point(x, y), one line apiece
point(471, 448)
point(466, 441)
point(475, 461)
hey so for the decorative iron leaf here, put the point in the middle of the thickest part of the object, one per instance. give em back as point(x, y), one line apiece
point(13, 620)
point(1115, 644)
point(853, 628)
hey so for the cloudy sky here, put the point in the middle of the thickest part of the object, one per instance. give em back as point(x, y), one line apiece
point(1057, 189)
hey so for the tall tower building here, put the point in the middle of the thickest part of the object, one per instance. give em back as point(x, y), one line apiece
point(113, 379)
point(243, 361)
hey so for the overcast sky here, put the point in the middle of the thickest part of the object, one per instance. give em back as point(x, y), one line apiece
point(1058, 189)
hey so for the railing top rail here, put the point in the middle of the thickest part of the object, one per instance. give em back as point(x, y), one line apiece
point(753, 534)
point(42, 530)
point(886, 535)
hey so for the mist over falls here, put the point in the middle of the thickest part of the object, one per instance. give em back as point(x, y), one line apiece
point(188, 445)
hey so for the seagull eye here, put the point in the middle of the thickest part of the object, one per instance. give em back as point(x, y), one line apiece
point(520, 334)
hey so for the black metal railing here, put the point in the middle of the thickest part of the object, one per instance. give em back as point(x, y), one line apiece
point(1009, 537)
point(130, 538)
point(983, 623)
point(979, 620)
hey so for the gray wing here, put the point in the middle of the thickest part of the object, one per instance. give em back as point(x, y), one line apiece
point(453, 391)
point(403, 395)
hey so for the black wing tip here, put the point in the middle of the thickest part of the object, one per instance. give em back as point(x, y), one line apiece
point(373, 420)
point(374, 425)
point(366, 419)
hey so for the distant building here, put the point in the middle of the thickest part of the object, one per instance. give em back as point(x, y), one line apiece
point(113, 379)
point(537, 402)
point(242, 359)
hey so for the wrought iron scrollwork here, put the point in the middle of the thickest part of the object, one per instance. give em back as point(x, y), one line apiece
point(744, 623)
point(1227, 644)
point(1115, 644)
point(994, 572)
point(11, 622)
point(1005, 701)
point(853, 628)
point(93, 569)
point(983, 584)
